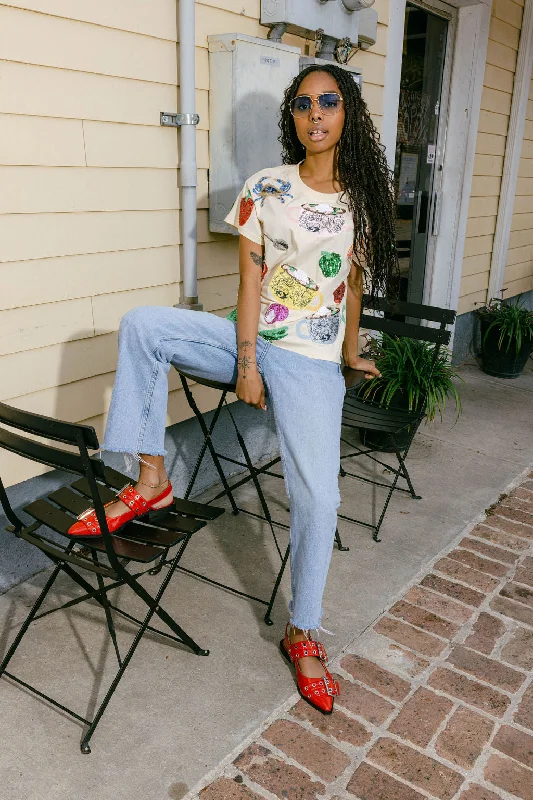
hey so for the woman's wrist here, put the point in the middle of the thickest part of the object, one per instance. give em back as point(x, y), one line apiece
point(350, 352)
point(250, 369)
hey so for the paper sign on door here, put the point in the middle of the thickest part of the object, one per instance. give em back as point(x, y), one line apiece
point(431, 154)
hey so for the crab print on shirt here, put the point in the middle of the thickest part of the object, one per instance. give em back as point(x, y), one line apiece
point(268, 187)
point(306, 238)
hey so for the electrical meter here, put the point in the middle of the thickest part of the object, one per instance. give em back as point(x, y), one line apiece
point(248, 77)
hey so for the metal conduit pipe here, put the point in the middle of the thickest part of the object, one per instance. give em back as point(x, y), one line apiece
point(188, 166)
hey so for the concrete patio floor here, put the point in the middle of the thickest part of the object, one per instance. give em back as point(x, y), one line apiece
point(175, 716)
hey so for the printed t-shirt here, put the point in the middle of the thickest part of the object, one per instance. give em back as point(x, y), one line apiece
point(307, 238)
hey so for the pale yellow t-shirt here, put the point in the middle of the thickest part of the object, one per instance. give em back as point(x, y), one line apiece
point(307, 238)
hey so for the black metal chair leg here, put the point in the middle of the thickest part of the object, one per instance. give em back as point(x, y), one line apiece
point(276, 586)
point(208, 442)
point(84, 744)
point(389, 495)
point(253, 473)
point(109, 617)
point(153, 608)
point(405, 474)
point(338, 540)
point(153, 602)
point(203, 449)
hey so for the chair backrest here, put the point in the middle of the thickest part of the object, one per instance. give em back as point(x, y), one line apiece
point(83, 437)
point(438, 336)
point(412, 330)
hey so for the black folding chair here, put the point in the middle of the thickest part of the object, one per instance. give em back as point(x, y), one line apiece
point(251, 472)
point(105, 558)
point(359, 413)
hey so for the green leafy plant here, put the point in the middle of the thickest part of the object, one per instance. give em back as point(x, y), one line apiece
point(408, 376)
point(513, 321)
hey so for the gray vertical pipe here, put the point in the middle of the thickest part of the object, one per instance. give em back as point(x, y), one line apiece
point(188, 166)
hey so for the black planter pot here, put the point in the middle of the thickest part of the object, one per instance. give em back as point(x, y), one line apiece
point(378, 440)
point(502, 363)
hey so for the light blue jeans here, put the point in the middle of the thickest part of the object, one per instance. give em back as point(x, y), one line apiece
point(306, 396)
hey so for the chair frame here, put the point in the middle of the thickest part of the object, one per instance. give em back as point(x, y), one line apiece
point(136, 542)
point(364, 413)
point(228, 489)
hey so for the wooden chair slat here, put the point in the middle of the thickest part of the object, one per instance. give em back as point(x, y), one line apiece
point(58, 430)
point(406, 329)
point(76, 504)
point(187, 507)
point(59, 521)
point(416, 310)
point(44, 454)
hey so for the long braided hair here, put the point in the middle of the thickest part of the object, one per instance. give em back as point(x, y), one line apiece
point(362, 171)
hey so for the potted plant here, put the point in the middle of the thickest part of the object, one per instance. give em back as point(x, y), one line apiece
point(409, 381)
point(506, 337)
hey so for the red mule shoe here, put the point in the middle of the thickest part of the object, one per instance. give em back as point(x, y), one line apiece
point(318, 692)
point(139, 507)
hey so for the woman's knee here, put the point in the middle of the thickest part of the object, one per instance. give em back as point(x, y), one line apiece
point(138, 319)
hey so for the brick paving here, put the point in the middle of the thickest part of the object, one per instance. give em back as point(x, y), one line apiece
point(436, 699)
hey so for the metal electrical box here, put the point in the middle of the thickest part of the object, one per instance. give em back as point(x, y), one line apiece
point(247, 79)
point(304, 17)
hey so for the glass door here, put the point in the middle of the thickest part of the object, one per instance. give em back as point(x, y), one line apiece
point(419, 145)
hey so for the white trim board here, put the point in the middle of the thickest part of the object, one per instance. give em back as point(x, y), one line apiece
point(466, 86)
point(513, 151)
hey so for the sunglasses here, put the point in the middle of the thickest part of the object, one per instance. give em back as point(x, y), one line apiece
point(328, 102)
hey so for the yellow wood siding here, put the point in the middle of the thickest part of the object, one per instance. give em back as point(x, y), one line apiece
point(89, 209)
point(502, 51)
point(518, 276)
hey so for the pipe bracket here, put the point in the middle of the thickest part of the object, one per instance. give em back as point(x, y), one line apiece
point(169, 120)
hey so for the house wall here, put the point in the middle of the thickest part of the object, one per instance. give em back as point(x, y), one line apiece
point(89, 208)
point(518, 276)
point(504, 35)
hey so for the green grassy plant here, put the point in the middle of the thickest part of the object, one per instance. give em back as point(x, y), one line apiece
point(513, 321)
point(408, 374)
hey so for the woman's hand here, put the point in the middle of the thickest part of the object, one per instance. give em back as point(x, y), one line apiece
point(251, 389)
point(363, 365)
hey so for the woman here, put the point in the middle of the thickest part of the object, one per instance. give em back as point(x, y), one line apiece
point(308, 230)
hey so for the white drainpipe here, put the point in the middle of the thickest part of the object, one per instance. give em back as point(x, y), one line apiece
point(188, 166)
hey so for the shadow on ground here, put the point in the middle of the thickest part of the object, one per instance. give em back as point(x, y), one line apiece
point(176, 715)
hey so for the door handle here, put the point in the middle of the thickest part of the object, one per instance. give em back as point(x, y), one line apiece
point(437, 207)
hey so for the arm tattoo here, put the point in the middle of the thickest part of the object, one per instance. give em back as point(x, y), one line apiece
point(256, 258)
point(245, 361)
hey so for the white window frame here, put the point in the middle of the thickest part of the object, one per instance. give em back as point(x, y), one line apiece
point(443, 280)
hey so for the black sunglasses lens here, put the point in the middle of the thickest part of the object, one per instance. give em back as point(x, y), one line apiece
point(330, 101)
point(301, 105)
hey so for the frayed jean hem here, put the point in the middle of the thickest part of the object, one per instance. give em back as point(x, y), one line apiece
point(302, 624)
point(133, 453)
